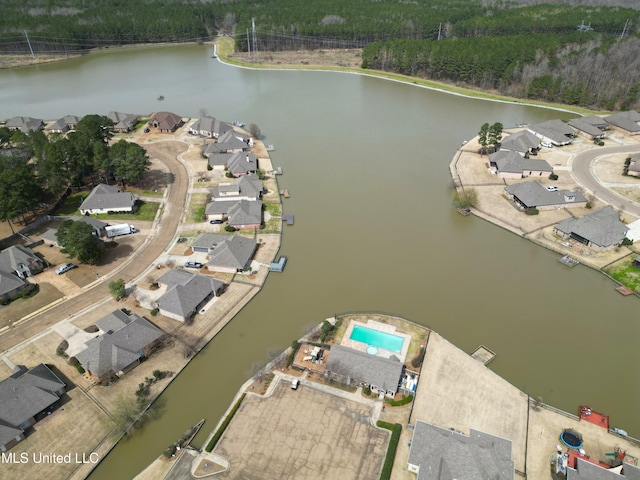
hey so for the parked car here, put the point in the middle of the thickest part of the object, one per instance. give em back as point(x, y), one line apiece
point(547, 144)
point(294, 384)
point(193, 265)
point(552, 189)
point(64, 268)
point(147, 130)
point(215, 222)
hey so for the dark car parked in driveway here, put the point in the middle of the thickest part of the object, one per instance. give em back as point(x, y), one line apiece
point(215, 222)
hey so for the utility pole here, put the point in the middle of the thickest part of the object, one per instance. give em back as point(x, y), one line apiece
point(248, 44)
point(439, 30)
point(255, 39)
point(624, 30)
point(33, 55)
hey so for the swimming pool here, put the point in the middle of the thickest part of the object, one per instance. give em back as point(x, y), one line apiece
point(377, 338)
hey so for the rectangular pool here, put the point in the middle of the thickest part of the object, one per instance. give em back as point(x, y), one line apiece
point(377, 338)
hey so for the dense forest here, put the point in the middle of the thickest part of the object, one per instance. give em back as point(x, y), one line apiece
point(582, 52)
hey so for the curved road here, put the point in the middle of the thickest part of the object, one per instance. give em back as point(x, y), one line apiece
point(582, 172)
point(167, 153)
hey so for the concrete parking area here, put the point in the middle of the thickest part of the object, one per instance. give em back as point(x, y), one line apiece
point(302, 433)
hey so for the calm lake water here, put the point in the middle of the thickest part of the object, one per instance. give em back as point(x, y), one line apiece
point(366, 162)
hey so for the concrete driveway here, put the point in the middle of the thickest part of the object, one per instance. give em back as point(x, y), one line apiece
point(76, 337)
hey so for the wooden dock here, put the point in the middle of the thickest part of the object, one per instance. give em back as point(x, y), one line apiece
point(568, 261)
point(278, 171)
point(624, 290)
point(464, 211)
point(284, 193)
point(270, 148)
point(483, 355)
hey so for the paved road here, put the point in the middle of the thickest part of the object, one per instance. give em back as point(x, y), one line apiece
point(143, 257)
point(582, 172)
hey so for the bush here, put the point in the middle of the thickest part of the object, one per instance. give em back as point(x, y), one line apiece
point(154, 312)
point(553, 176)
point(366, 390)
point(209, 167)
point(532, 211)
point(627, 242)
point(229, 228)
point(396, 430)
point(399, 403)
point(224, 425)
point(80, 369)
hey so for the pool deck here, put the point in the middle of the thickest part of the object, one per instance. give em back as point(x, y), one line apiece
point(381, 327)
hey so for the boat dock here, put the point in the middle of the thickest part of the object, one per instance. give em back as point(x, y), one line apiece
point(270, 148)
point(483, 355)
point(279, 265)
point(278, 171)
point(288, 219)
point(464, 211)
point(284, 193)
point(624, 290)
point(568, 261)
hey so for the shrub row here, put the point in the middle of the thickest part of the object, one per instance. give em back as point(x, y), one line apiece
point(396, 430)
point(398, 403)
point(224, 425)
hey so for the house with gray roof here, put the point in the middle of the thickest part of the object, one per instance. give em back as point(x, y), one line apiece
point(24, 124)
point(25, 397)
point(20, 261)
point(633, 167)
point(553, 131)
point(533, 195)
point(11, 285)
point(628, 121)
point(350, 366)
point(509, 164)
point(186, 293)
point(585, 470)
point(442, 454)
point(123, 340)
point(595, 121)
point(106, 199)
point(239, 213)
point(63, 125)
point(227, 253)
point(209, 127)
point(587, 128)
point(599, 230)
point(123, 122)
point(238, 163)
point(247, 187)
point(521, 142)
point(229, 142)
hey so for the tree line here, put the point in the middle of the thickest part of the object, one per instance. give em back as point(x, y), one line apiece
point(37, 169)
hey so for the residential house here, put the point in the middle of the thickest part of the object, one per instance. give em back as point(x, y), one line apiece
point(533, 195)
point(11, 286)
point(229, 142)
point(166, 122)
point(238, 164)
point(99, 228)
point(63, 125)
point(508, 164)
point(239, 213)
point(553, 131)
point(599, 230)
point(590, 126)
point(123, 340)
point(522, 142)
point(229, 254)
point(21, 261)
point(123, 122)
point(209, 127)
point(628, 121)
point(25, 398)
point(24, 124)
point(186, 293)
point(106, 199)
point(588, 469)
point(633, 168)
point(246, 187)
point(440, 453)
point(350, 366)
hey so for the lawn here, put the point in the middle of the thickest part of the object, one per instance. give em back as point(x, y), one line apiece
point(624, 272)
point(146, 212)
point(24, 306)
point(197, 206)
point(72, 204)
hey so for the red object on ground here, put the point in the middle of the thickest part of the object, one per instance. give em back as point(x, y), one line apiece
point(594, 417)
point(574, 455)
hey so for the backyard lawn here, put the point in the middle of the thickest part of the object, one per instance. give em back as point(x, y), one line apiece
point(626, 273)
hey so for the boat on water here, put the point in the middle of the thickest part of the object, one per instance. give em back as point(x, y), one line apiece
point(238, 123)
point(160, 98)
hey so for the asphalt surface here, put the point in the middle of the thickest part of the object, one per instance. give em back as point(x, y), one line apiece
point(583, 173)
point(140, 261)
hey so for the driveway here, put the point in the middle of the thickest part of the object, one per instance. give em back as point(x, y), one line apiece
point(75, 337)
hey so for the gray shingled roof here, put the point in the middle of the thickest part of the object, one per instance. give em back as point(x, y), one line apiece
point(210, 125)
point(186, 291)
point(601, 227)
point(235, 252)
point(24, 395)
point(242, 162)
point(105, 196)
point(382, 372)
point(511, 162)
point(11, 258)
point(446, 454)
point(24, 124)
point(246, 186)
point(522, 141)
point(123, 121)
point(556, 130)
point(595, 121)
point(230, 140)
point(532, 194)
point(209, 240)
point(9, 282)
point(588, 471)
point(629, 120)
point(65, 123)
point(586, 127)
point(112, 352)
point(245, 212)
